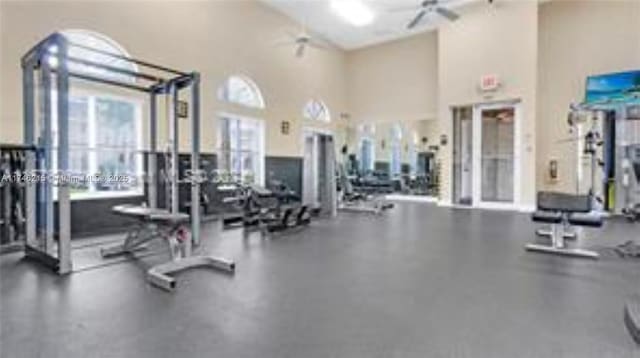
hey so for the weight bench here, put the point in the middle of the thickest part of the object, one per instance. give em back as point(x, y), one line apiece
point(152, 224)
point(290, 216)
point(561, 211)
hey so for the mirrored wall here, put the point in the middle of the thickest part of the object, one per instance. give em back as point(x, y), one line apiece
point(395, 157)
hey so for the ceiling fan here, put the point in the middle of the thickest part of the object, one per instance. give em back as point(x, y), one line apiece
point(301, 40)
point(426, 7)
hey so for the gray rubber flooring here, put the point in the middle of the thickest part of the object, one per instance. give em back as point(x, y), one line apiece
point(420, 281)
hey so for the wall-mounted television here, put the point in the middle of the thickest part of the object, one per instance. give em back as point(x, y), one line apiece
point(613, 87)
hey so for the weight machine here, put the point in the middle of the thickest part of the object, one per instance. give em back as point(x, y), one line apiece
point(608, 138)
point(47, 69)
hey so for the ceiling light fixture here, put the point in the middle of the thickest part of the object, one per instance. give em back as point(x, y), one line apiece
point(354, 12)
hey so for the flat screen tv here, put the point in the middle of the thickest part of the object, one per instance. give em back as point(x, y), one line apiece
point(613, 87)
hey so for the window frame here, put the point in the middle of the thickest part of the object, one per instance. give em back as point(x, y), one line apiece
point(223, 92)
point(259, 179)
point(395, 149)
point(372, 165)
point(92, 148)
point(115, 48)
point(324, 116)
point(367, 132)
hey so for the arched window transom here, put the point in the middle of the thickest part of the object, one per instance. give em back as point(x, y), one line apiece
point(101, 43)
point(317, 111)
point(241, 90)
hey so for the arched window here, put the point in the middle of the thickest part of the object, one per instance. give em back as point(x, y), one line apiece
point(101, 43)
point(241, 140)
point(317, 111)
point(104, 127)
point(241, 90)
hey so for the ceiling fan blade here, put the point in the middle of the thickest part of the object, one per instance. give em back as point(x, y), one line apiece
point(417, 19)
point(300, 50)
point(452, 16)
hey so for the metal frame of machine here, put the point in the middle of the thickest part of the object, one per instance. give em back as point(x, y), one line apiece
point(48, 234)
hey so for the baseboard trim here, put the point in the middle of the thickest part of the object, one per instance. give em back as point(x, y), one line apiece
point(412, 198)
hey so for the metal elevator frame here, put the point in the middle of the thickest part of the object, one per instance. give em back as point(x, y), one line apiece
point(48, 236)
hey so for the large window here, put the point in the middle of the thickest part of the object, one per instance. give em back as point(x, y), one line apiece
point(366, 155)
point(103, 44)
point(396, 150)
point(316, 111)
point(413, 153)
point(367, 148)
point(241, 90)
point(241, 139)
point(242, 148)
point(104, 143)
point(104, 129)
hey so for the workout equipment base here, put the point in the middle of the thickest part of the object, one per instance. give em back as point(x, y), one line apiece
point(159, 275)
point(572, 235)
point(563, 251)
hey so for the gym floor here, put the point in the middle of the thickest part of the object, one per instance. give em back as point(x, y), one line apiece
point(419, 281)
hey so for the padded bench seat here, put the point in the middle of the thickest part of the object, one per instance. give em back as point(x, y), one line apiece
point(152, 215)
point(561, 211)
point(548, 217)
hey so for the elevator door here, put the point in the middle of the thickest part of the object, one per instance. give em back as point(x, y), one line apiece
point(495, 155)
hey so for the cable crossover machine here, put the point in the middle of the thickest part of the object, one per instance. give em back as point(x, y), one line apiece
point(46, 76)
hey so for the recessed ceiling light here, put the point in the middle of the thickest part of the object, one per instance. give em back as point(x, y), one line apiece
point(354, 12)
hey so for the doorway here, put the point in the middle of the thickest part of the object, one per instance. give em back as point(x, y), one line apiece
point(486, 166)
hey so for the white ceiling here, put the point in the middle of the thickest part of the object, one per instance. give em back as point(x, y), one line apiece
point(318, 17)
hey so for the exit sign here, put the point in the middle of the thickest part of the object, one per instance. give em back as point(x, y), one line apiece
point(489, 83)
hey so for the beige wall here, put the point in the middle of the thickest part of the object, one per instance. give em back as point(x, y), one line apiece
point(542, 53)
point(577, 39)
point(394, 81)
point(502, 40)
point(217, 38)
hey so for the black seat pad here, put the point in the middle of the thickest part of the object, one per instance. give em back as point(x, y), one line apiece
point(554, 201)
point(549, 217)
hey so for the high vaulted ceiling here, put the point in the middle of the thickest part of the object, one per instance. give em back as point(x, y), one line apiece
point(318, 17)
